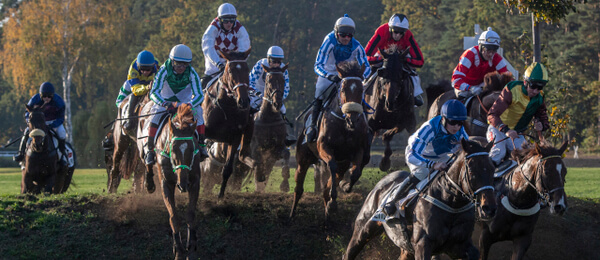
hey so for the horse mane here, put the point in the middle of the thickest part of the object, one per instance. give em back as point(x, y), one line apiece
point(543, 149)
point(350, 69)
point(392, 48)
point(495, 81)
point(185, 115)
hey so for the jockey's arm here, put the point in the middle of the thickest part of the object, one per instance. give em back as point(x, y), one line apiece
point(286, 89)
point(501, 104)
point(208, 45)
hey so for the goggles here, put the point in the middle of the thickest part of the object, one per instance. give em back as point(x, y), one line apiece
point(225, 20)
point(491, 47)
point(275, 60)
point(454, 122)
point(343, 35)
point(537, 85)
point(146, 68)
point(180, 64)
point(47, 95)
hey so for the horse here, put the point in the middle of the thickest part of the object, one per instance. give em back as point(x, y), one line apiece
point(440, 219)
point(391, 100)
point(123, 158)
point(268, 140)
point(479, 106)
point(212, 167)
point(178, 163)
point(343, 142)
point(226, 111)
point(41, 169)
point(539, 179)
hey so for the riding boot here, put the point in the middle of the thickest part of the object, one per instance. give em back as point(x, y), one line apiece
point(204, 81)
point(311, 131)
point(131, 123)
point(390, 207)
point(21, 153)
point(289, 129)
point(151, 155)
point(202, 142)
point(63, 150)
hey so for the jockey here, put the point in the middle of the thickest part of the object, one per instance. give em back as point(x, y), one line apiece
point(140, 75)
point(54, 112)
point(396, 33)
point(339, 45)
point(257, 83)
point(429, 148)
point(176, 81)
point(518, 103)
point(475, 62)
point(224, 34)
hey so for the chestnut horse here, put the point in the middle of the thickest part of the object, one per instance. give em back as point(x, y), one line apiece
point(226, 109)
point(478, 107)
point(539, 179)
point(441, 218)
point(391, 100)
point(178, 161)
point(42, 171)
point(343, 142)
point(123, 159)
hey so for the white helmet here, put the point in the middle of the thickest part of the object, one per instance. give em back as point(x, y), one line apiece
point(181, 53)
point(398, 21)
point(344, 25)
point(275, 52)
point(227, 9)
point(489, 37)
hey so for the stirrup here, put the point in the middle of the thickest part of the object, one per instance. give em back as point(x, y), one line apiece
point(18, 157)
point(150, 158)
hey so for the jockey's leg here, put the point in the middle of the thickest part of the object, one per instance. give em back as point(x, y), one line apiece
point(201, 142)
point(390, 208)
point(311, 131)
point(151, 155)
point(131, 123)
point(62, 136)
point(204, 81)
point(417, 90)
point(500, 146)
point(21, 153)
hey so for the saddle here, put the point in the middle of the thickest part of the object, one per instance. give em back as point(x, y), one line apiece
point(324, 108)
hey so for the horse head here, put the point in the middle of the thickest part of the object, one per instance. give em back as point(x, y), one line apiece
point(351, 91)
point(550, 176)
point(274, 86)
point(37, 127)
point(392, 75)
point(235, 79)
point(181, 147)
point(494, 82)
point(477, 177)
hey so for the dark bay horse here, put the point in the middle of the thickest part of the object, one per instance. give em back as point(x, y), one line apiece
point(178, 161)
point(123, 159)
point(343, 142)
point(441, 219)
point(478, 107)
point(539, 179)
point(268, 140)
point(391, 101)
point(42, 171)
point(226, 109)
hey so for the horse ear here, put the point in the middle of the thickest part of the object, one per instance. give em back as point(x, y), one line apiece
point(383, 53)
point(285, 67)
point(465, 145)
point(362, 69)
point(488, 146)
point(337, 68)
point(222, 54)
point(538, 149)
point(247, 53)
point(563, 147)
point(28, 108)
point(265, 68)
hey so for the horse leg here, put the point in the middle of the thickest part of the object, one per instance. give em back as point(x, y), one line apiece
point(193, 194)
point(228, 168)
point(114, 178)
point(245, 149)
point(356, 172)
point(300, 176)
point(520, 246)
point(168, 193)
point(59, 181)
point(422, 248)
point(330, 197)
point(363, 233)
point(285, 172)
point(385, 163)
point(485, 241)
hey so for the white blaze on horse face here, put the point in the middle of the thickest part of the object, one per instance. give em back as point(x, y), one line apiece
point(183, 147)
point(559, 170)
point(238, 66)
point(353, 87)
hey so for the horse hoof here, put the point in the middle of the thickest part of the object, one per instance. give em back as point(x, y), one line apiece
point(150, 187)
point(345, 186)
point(331, 207)
point(284, 187)
point(385, 164)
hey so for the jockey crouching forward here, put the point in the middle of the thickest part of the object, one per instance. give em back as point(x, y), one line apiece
point(54, 113)
point(339, 45)
point(224, 34)
point(518, 103)
point(475, 62)
point(396, 33)
point(140, 75)
point(428, 150)
point(257, 84)
point(176, 81)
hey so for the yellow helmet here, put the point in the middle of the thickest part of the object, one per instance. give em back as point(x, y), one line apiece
point(536, 72)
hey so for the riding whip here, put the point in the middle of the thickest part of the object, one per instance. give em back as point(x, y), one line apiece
point(313, 102)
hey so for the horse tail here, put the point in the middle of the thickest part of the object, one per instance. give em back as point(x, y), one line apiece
point(435, 90)
point(129, 161)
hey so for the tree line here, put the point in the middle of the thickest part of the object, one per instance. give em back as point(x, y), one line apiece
point(86, 47)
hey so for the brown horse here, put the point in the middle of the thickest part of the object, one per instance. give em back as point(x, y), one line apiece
point(479, 106)
point(178, 164)
point(226, 109)
point(441, 218)
point(343, 142)
point(42, 171)
point(539, 179)
point(391, 100)
point(123, 160)
point(212, 168)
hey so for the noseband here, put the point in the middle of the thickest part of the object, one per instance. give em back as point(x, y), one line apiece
point(544, 196)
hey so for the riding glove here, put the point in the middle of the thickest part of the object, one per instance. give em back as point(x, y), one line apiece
point(334, 78)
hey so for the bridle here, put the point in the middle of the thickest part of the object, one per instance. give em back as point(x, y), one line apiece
point(464, 172)
point(231, 91)
point(544, 196)
point(269, 96)
point(169, 144)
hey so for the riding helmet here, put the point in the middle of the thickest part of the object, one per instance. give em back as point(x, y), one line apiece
point(454, 110)
point(489, 38)
point(46, 88)
point(227, 9)
point(398, 22)
point(275, 52)
point(145, 59)
point(536, 72)
point(181, 53)
point(344, 25)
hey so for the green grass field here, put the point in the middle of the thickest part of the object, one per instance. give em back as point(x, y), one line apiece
point(581, 182)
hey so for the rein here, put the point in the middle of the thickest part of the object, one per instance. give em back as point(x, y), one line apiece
point(539, 169)
point(169, 155)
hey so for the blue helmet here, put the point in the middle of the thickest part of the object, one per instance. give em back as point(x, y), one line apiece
point(454, 110)
point(46, 88)
point(145, 58)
